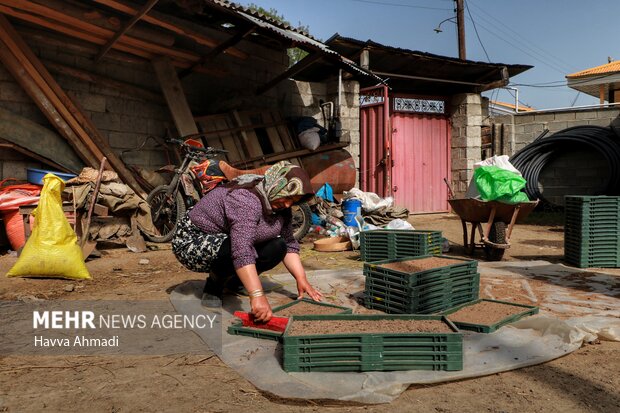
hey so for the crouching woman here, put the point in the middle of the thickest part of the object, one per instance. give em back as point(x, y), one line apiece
point(241, 229)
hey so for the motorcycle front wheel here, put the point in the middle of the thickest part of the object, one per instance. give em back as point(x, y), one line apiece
point(166, 211)
point(302, 218)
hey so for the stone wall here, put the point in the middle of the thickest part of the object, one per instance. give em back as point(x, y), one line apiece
point(126, 120)
point(578, 168)
point(522, 128)
point(466, 117)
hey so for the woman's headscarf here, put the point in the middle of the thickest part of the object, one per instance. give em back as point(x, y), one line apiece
point(281, 180)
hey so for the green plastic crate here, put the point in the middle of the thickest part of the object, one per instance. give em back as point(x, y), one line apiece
point(592, 231)
point(397, 303)
point(528, 310)
point(373, 351)
point(382, 244)
point(375, 270)
point(239, 330)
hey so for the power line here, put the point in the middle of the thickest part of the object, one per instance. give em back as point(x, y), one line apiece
point(545, 53)
point(576, 82)
point(399, 5)
point(522, 50)
point(544, 60)
point(476, 30)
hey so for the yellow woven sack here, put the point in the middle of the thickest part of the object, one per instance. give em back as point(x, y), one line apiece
point(52, 249)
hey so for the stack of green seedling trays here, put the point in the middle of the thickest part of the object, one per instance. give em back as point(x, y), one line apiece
point(592, 231)
point(372, 351)
point(423, 292)
point(527, 310)
point(239, 330)
point(389, 244)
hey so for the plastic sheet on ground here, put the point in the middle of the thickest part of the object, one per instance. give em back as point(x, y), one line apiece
point(528, 342)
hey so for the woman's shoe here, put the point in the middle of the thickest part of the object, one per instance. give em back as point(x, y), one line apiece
point(212, 292)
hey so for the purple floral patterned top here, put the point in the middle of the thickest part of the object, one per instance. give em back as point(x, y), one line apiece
point(239, 214)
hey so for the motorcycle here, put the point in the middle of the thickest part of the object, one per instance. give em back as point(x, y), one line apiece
point(198, 174)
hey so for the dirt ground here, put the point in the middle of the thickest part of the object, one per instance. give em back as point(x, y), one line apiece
point(584, 381)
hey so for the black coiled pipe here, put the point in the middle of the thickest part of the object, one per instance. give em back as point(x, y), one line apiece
point(533, 158)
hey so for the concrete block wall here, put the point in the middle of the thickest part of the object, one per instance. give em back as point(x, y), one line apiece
point(466, 141)
point(581, 171)
point(521, 129)
point(577, 170)
point(125, 120)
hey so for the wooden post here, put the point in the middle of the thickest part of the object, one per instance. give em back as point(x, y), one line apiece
point(173, 92)
point(460, 22)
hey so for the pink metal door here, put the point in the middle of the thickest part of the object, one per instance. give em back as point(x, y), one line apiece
point(421, 155)
point(375, 141)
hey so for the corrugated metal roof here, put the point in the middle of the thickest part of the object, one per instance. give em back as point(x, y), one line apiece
point(293, 34)
point(606, 69)
point(416, 72)
point(240, 8)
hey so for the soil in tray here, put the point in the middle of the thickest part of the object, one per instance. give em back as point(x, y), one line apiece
point(485, 313)
point(420, 264)
point(320, 327)
point(305, 308)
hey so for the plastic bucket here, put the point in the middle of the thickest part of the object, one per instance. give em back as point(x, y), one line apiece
point(351, 208)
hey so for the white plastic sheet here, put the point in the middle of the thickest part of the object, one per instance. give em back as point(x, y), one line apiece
point(530, 341)
point(370, 200)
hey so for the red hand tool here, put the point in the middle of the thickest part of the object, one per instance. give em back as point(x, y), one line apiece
point(275, 324)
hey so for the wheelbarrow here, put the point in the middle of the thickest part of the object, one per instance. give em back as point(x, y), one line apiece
point(500, 219)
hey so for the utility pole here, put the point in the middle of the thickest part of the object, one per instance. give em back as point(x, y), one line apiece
point(460, 23)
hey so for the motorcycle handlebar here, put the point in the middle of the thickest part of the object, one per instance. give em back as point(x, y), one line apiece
point(191, 148)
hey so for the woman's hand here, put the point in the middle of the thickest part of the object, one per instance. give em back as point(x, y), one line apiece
point(261, 309)
point(304, 287)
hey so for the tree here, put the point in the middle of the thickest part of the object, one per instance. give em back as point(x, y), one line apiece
point(295, 54)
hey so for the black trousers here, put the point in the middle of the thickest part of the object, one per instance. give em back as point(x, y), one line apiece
point(270, 254)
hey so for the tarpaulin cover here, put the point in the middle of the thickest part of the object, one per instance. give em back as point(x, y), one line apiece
point(528, 342)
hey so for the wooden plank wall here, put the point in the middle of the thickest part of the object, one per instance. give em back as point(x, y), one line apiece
point(250, 137)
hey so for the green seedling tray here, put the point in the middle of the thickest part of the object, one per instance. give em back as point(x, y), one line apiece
point(239, 330)
point(384, 244)
point(376, 270)
point(377, 301)
point(442, 285)
point(528, 310)
point(373, 351)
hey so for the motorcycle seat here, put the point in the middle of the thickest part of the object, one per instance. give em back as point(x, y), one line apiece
point(230, 172)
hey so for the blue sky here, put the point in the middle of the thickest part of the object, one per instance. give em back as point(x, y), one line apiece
point(557, 37)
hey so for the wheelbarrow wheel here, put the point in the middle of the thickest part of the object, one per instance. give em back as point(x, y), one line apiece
point(497, 235)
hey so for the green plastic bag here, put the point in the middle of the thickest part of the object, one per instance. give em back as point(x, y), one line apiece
point(497, 184)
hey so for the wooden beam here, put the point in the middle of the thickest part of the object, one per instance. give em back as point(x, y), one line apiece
point(222, 47)
point(297, 153)
point(173, 92)
point(505, 79)
point(32, 88)
point(89, 12)
point(74, 45)
point(27, 10)
point(292, 71)
point(179, 26)
point(40, 21)
point(126, 26)
point(82, 126)
point(100, 80)
point(236, 129)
